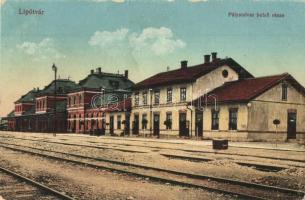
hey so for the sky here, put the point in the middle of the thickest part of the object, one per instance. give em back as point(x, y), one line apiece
point(144, 37)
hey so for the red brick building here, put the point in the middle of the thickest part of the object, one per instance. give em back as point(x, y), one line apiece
point(94, 95)
point(34, 111)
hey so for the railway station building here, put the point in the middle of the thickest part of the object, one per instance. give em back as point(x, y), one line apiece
point(246, 109)
point(95, 105)
point(34, 111)
point(98, 93)
point(218, 99)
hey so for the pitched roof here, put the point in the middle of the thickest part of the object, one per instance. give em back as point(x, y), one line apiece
point(109, 81)
point(246, 89)
point(28, 97)
point(189, 74)
point(11, 114)
point(63, 86)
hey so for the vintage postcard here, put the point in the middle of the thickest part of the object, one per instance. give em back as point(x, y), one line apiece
point(152, 99)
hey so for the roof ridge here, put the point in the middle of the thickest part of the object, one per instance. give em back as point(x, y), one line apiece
point(255, 78)
point(197, 65)
point(268, 85)
point(256, 91)
point(268, 76)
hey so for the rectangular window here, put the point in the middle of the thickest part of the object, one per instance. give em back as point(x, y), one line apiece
point(119, 122)
point(144, 98)
point(284, 92)
point(169, 95)
point(169, 121)
point(157, 97)
point(183, 94)
point(215, 119)
point(233, 119)
point(136, 99)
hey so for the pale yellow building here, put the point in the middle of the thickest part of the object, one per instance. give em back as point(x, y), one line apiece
point(161, 103)
point(246, 109)
point(218, 99)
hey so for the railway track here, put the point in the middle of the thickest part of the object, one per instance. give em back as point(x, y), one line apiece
point(154, 141)
point(261, 167)
point(80, 145)
point(14, 186)
point(157, 149)
point(202, 151)
point(240, 189)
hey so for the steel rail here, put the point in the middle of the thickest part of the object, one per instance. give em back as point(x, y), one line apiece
point(151, 140)
point(152, 178)
point(81, 145)
point(194, 176)
point(37, 184)
point(154, 147)
point(262, 167)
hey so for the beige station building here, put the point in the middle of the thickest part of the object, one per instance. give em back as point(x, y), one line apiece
point(218, 99)
point(215, 99)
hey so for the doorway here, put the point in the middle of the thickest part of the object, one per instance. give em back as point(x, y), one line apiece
point(157, 125)
point(291, 125)
point(136, 124)
point(111, 125)
point(183, 125)
point(127, 125)
point(199, 124)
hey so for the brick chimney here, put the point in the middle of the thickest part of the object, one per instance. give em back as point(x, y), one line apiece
point(207, 58)
point(126, 73)
point(214, 56)
point(183, 64)
point(99, 70)
point(91, 71)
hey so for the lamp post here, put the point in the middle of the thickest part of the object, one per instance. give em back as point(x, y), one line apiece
point(276, 122)
point(54, 68)
point(102, 101)
point(150, 112)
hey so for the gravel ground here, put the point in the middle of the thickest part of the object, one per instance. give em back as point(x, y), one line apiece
point(222, 165)
point(87, 183)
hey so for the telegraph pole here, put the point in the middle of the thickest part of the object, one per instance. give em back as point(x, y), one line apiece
point(54, 68)
point(150, 112)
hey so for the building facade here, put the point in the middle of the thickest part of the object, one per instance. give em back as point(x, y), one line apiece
point(216, 99)
point(219, 99)
point(163, 101)
point(35, 111)
point(88, 103)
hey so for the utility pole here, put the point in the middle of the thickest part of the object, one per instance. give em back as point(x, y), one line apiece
point(150, 112)
point(54, 68)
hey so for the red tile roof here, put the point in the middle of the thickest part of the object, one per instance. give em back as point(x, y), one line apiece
point(189, 74)
point(247, 89)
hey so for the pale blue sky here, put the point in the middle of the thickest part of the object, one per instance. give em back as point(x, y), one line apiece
point(144, 37)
